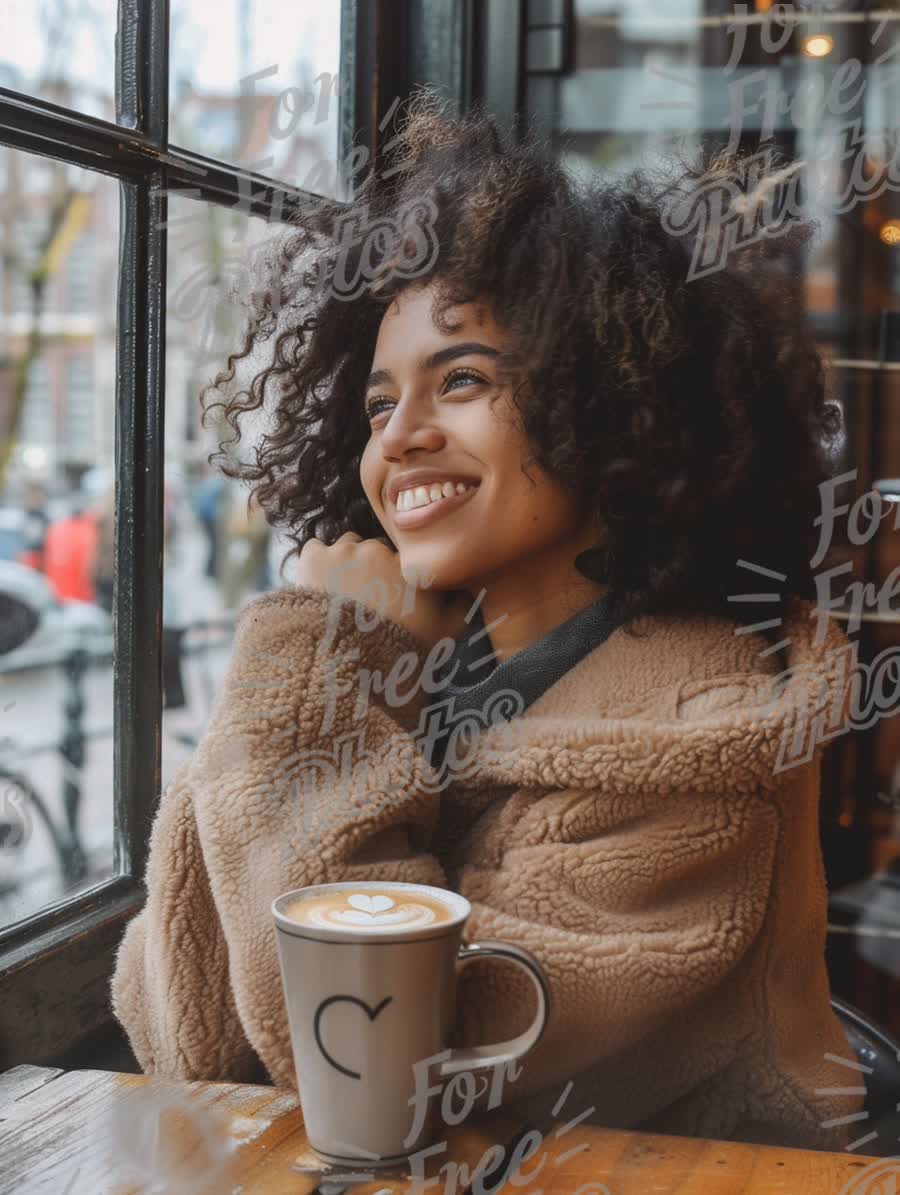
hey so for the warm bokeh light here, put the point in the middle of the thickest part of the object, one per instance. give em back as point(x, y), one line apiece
point(817, 45)
point(890, 232)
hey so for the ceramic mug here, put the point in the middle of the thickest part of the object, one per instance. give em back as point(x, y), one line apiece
point(370, 972)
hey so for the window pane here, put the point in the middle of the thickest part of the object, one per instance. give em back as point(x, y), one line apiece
point(216, 557)
point(58, 238)
point(258, 84)
point(62, 51)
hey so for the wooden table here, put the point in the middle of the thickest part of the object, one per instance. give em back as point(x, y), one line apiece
point(79, 1133)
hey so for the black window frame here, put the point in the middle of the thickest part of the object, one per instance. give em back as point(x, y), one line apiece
point(56, 965)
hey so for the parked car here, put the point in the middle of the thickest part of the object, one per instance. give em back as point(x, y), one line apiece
point(37, 629)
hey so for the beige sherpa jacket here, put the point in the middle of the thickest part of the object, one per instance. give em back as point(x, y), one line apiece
point(636, 828)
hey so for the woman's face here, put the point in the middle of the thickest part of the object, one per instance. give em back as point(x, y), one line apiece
point(433, 424)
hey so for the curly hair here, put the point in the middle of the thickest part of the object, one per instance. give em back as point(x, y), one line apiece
point(689, 411)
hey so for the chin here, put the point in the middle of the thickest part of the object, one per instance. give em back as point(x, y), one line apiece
point(428, 573)
point(420, 572)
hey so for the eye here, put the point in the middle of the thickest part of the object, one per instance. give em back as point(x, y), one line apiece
point(466, 375)
point(374, 404)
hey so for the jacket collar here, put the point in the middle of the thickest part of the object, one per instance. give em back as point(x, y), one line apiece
point(684, 702)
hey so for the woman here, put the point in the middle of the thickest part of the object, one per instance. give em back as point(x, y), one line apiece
point(596, 449)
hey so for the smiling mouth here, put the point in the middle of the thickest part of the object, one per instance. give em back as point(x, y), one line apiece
point(419, 516)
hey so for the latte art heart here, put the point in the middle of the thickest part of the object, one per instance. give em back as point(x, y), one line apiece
point(379, 910)
point(370, 904)
point(371, 910)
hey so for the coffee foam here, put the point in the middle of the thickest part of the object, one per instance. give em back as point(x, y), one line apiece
point(369, 910)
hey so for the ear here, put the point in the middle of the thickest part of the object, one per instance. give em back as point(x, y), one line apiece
point(592, 563)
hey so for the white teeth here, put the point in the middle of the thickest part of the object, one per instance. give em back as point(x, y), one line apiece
point(425, 495)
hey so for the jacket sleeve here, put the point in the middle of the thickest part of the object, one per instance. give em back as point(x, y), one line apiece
point(306, 774)
point(170, 987)
point(637, 906)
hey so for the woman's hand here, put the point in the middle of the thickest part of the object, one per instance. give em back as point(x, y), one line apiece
point(368, 571)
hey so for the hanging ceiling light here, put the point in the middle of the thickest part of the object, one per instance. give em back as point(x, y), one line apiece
point(816, 45)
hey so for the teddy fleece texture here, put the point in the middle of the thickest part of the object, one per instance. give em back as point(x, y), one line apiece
point(647, 828)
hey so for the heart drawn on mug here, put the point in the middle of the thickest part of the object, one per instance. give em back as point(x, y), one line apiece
point(370, 1012)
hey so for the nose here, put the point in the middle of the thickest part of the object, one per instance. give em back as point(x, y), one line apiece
point(410, 427)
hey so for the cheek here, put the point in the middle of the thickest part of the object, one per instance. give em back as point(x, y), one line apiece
point(540, 512)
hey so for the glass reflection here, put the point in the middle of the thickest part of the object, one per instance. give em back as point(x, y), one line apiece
point(220, 550)
point(259, 84)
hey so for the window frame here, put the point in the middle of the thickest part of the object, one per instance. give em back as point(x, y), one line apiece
point(56, 965)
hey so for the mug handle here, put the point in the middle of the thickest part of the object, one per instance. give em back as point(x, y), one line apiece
point(467, 1058)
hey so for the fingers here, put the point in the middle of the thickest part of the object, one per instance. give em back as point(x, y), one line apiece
point(338, 566)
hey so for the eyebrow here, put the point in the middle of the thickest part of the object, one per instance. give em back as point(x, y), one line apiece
point(380, 377)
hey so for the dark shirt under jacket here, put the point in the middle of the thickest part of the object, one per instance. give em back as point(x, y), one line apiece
point(495, 692)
